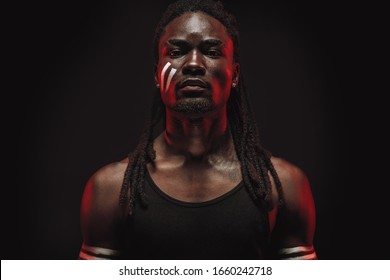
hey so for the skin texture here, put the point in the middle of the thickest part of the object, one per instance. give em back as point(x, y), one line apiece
point(196, 149)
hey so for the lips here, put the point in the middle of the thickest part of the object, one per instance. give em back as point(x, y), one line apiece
point(193, 88)
point(193, 84)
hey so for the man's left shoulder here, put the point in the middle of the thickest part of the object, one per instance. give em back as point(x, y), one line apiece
point(295, 224)
point(295, 183)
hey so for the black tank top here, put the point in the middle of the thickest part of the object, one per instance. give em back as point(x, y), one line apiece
point(231, 226)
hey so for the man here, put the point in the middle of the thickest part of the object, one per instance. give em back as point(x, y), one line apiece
point(204, 188)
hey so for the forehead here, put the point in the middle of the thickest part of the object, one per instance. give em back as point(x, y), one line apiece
point(195, 25)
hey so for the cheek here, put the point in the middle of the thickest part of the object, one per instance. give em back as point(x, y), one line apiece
point(222, 81)
point(168, 97)
point(165, 76)
point(222, 74)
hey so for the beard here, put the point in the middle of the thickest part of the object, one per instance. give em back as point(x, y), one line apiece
point(193, 105)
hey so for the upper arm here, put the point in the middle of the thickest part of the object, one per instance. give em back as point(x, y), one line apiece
point(100, 215)
point(294, 229)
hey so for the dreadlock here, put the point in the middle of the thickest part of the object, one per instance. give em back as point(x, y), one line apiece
point(255, 160)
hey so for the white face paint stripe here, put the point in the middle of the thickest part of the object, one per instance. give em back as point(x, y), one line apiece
point(312, 256)
point(99, 250)
point(298, 249)
point(85, 256)
point(163, 74)
point(171, 74)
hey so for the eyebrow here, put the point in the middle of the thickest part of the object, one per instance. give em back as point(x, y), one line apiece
point(207, 42)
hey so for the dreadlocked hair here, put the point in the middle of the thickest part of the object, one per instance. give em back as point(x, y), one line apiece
point(254, 159)
point(133, 181)
point(256, 165)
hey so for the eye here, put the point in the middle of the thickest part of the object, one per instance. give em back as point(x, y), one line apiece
point(213, 53)
point(175, 53)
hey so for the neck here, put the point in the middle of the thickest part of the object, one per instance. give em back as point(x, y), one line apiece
point(197, 137)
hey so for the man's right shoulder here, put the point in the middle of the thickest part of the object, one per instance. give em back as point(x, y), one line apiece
point(100, 211)
point(108, 179)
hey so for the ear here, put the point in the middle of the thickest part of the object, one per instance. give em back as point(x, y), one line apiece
point(236, 74)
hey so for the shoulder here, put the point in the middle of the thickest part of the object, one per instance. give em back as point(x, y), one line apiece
point(107, 180)
point(103, 188)
point(100, 214)
point(295, 183)
point(295, 220)
point(100, 210)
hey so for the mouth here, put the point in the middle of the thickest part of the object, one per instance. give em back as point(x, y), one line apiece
point(193, 87)
point(193, 83)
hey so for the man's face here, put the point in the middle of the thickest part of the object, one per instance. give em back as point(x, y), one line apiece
point(196, 68)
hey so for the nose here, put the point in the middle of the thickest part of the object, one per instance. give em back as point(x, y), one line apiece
point(194, 64)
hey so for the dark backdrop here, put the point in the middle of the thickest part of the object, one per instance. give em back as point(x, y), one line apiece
point(83, 82)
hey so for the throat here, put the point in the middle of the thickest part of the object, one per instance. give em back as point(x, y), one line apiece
point(197, 146)
point(196, 137)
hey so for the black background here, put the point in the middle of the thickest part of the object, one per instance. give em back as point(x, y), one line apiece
point(81, 79)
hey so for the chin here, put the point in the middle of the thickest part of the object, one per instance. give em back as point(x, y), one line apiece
point(194, 106)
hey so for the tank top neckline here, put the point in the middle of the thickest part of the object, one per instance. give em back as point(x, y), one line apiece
point(192, 204)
